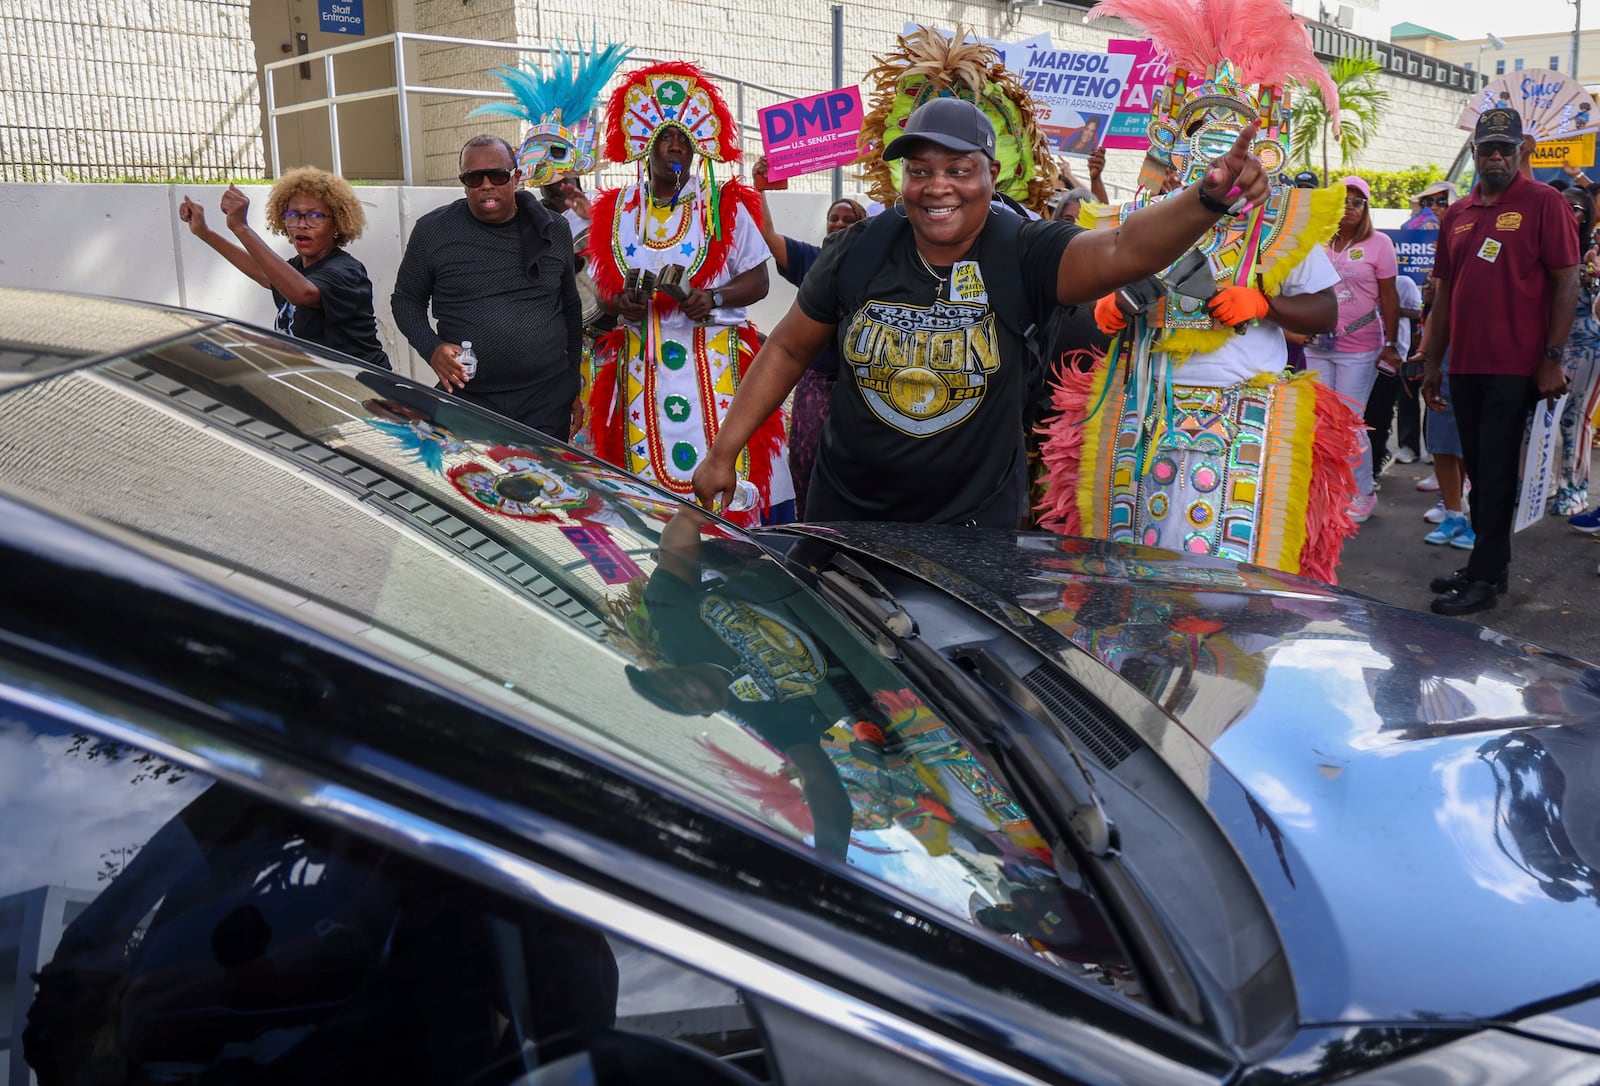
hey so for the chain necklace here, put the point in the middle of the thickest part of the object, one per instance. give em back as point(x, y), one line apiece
point(929, 267)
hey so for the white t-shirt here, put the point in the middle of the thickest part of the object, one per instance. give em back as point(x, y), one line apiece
point(1410, 298)
point(749, 249)
point(1262, 348)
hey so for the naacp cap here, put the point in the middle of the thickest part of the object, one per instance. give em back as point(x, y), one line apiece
point(952, 123)
point(1504, 125)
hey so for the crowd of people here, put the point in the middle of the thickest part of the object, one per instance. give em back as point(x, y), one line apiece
point(1214, 366)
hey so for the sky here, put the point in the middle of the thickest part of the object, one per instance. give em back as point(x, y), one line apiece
point(1475, 18)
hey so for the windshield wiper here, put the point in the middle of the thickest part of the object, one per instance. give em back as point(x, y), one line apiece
point(1088, 834)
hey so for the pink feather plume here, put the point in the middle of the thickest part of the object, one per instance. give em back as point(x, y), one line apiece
point(1265, 41)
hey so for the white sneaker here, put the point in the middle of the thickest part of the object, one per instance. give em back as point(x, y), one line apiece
point(1436, 514)
point(1403, 455)
point(1430, 483)
point(1361, 507)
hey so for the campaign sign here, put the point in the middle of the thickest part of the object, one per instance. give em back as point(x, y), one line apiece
point(1539, 454)
point(341, 17)
point(811, 133)
point(1074, 95)
point(1413, 252)
point(1572, 151)
point(1130, 125)
point(610, 561)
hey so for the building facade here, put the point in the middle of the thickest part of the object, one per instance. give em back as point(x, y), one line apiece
point(161, 89)
point(1513, 53)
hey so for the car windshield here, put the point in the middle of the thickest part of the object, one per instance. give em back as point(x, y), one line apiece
point(573, 596)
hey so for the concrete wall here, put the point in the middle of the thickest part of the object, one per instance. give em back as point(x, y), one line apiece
point(444, 124)
point(1418, 127)
point(160, 88)
point(127, 88)
point(126, 241)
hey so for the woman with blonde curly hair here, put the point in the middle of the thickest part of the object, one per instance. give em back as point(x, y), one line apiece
point(322, 292)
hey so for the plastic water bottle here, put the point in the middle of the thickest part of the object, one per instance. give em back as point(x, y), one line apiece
point(468, 360)
point(745, 496)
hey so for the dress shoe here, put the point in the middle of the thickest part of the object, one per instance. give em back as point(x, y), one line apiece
point(1470, 597)
point(1452, 581)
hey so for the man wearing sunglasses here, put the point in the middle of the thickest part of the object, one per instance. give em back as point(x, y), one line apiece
point(497, 268)
point(1507, 269)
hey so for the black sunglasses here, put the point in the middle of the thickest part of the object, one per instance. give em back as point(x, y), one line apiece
point(473, 178)
point(1434, 201)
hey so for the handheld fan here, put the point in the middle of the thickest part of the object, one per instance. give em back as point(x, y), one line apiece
point(1552, 105)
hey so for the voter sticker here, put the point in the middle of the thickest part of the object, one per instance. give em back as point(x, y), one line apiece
point(1358, 254)
point(966, 283)
point(1489, 250)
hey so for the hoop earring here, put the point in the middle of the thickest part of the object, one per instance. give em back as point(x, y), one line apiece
point(899, 206)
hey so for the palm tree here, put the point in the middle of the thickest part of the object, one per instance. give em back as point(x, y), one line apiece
point(1361, 101)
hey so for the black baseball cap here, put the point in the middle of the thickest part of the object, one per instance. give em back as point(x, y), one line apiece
point(1306, 179)
point(952, 123)
point(1498, 125)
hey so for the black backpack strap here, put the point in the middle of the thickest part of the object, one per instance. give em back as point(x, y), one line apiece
point(1000, 260)
point(867, 256)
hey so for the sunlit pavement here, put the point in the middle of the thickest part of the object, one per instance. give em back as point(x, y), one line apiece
point(1554, 595)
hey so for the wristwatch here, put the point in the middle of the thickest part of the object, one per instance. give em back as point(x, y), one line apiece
point(1553, 352)
point(1215, 206)
point(1391, 343)
point(716, 299)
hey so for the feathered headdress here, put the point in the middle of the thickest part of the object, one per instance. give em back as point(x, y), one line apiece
point(671, 93)
point(556, 105)
point(1229, 62)
point(925, 65)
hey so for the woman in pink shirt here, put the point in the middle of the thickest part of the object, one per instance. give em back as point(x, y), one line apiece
point(1348, 358)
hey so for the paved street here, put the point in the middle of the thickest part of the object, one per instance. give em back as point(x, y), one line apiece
point(1554, 590)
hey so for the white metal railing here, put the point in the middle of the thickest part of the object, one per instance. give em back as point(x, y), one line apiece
point(402, 90)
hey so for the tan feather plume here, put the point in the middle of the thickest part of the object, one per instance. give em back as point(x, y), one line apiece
point(947, 62)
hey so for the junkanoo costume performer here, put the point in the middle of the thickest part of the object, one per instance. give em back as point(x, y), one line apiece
point(669, 371)
point(560, 142)
point(1189, 435)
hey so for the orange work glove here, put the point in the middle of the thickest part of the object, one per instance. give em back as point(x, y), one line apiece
point(1235, 305)
point(1106, 314)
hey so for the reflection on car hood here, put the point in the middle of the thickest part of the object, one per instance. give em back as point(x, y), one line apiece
point(1418, 798)
point(38, 341)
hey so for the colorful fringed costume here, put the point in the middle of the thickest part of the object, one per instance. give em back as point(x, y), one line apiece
point(1189, 435)
point(663, 386)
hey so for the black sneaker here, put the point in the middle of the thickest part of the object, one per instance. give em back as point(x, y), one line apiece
point(1470, 597)
point(1453, 581)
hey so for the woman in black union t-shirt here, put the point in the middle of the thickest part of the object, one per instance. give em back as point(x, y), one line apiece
point(929, 412)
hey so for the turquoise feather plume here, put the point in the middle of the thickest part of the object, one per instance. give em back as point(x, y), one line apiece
point(572, 85)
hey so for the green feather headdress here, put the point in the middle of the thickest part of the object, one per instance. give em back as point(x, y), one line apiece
point(927, 65)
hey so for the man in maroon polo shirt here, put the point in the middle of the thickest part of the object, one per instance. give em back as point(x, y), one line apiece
point(1507, 266)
